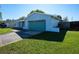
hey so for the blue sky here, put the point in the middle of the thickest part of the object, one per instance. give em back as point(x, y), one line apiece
point(14, 11)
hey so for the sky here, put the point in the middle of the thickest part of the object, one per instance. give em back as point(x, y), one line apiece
point(14, 11)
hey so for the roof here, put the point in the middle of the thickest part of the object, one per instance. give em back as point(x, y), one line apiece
point(52, 16)
point(21, 20)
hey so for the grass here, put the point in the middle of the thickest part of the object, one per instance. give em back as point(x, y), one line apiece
point(38, 44)
point(5, 30)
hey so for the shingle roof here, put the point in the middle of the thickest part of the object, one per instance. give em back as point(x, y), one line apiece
point(52, 16)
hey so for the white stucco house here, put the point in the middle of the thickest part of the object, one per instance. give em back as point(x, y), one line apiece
point(41, 22)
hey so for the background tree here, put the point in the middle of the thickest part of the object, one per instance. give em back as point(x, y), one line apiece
point(22, 18)
point(8, 20)
point(1, 21)
point(65, 19)
point(37, 10)
point(58, 17)
point(0, 16)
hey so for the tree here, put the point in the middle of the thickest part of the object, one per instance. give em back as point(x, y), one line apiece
point(59, 17)
point(8, 20)
point(37, 10)
point(0, 16)
point(65, 19)
point(21, 18)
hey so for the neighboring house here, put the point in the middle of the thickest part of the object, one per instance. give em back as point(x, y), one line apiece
point(15, 23)
point(41, 22)
point(11, 23)
point(74, 25)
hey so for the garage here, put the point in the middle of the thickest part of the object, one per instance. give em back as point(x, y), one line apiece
point(37, 25)
point(21, 24)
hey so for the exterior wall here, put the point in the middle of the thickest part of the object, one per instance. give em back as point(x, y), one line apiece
point(17, 24)
point(26, 24)
point(51, 24)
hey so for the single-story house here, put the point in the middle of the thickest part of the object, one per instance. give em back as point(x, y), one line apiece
point(10, 23)
point(41, 22)
point(15, 23)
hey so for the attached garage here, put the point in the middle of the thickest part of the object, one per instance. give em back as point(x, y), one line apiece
point(21, 24)
point(37, 25)
point(41, 22)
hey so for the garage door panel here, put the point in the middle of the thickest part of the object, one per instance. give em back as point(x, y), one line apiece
point(36, 25)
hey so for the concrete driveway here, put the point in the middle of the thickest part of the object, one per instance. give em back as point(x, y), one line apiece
point(25, 34)
point(16, 35)
point(9, 38)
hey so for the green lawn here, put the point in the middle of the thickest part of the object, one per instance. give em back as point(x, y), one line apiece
point(66, 42)
point(5, 30)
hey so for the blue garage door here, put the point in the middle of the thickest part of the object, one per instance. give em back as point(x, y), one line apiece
point(37, 25)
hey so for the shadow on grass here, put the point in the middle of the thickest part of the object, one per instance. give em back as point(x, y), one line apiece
point(50, 36)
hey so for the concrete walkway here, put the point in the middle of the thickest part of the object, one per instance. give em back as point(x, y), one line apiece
point(9, 38)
